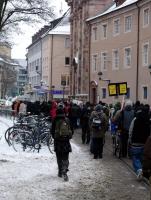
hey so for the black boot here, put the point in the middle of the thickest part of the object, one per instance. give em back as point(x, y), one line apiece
point(65, 177)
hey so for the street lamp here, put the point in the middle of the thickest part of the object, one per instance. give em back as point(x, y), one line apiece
point(100, 77)
point(149, 67)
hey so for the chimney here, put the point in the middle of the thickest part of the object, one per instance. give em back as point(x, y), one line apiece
point(119, 2)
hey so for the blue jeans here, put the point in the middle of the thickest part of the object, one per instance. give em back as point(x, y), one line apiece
point(137, 156)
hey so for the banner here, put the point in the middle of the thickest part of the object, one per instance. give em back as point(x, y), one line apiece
point(117, 88)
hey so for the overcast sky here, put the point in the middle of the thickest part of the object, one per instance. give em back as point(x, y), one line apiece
point(22, 41)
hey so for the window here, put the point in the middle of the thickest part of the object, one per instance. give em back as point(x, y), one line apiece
point(116, 27)
point(94, 63)
point(104, 31)
point(145, 92)
point(127, 57)
point(103, 93)
point(67, 42)
point(145, 54)
point(67, 61)
point(95, 33)
point(115, 60)
point(128, 93)
point(128, 24)
point(104, 61)
point(64, 79)
point(146, 17)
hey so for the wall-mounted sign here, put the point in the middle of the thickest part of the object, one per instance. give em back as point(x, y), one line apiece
point(117, 89)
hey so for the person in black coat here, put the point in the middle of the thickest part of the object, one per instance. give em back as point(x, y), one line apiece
point(138, 133)
point(62, 146)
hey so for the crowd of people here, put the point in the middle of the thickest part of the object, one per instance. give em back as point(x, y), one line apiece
point(131, 120)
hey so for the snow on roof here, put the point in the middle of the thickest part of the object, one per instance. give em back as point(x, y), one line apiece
point(22, 62)
point(63, 28)
point(114, 8)
point(7, 62)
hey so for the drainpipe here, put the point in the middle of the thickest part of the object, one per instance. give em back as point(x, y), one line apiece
point(138, 38)
point(89, 46)
point(51, 65)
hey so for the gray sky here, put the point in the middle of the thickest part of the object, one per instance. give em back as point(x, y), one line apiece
point(22, 41)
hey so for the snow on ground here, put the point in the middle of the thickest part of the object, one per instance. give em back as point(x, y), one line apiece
point(33, 176)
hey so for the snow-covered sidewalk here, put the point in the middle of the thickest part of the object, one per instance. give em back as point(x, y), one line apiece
point(33, 176)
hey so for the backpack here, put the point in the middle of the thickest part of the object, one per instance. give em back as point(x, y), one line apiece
point(63, 129)
point(96, 122)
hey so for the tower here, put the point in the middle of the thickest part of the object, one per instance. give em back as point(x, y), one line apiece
point(80, 49)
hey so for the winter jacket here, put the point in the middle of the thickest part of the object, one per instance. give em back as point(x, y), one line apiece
point(53, 110)
point(147, 158)
point(139, 130)
point(124, 118)
point(59, 144)
point(98, 133)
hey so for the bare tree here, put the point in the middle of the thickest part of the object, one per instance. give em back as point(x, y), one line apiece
point(12, 12)
point(8, 79)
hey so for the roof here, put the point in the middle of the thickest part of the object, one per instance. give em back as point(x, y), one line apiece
point(9, 62)
point(21, 62)
point(63, 28)
point(114, 8)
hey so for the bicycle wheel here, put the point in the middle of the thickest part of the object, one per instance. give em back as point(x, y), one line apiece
point(22, 141)
point(50, 143)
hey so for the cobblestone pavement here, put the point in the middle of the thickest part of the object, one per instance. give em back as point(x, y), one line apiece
point(34, 177)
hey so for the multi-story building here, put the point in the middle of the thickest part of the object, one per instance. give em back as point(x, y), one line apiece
point(80, 41)
point(56, 59)
point(120, 48)
point(34, 60)
point(21, 80)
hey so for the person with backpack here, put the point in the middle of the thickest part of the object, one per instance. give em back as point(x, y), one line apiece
point(123, 119)
point(138, 133)
point(98, 127)
point(62, 132)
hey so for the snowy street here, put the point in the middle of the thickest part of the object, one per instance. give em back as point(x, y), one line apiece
point(33, 176)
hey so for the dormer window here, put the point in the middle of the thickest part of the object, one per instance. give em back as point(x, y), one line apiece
point(119, 2)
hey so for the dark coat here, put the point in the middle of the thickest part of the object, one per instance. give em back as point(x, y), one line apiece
point(147, 158)
point(104, 125)
point(60, 146)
